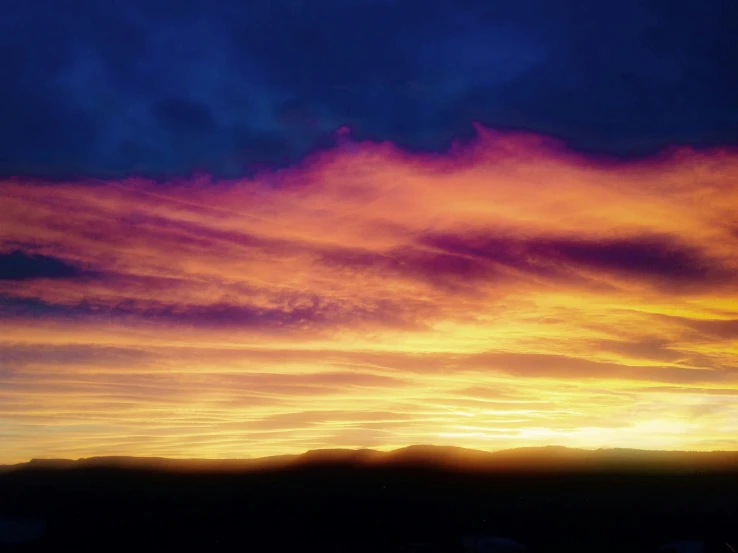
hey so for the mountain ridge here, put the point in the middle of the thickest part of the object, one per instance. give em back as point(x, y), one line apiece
point(523, 458)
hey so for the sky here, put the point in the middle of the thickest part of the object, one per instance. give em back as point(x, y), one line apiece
point(243, 229)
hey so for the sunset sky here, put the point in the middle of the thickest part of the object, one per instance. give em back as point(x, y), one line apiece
point(231, 231)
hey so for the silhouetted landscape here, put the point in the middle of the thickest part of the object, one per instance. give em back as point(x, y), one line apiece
point(416, 499)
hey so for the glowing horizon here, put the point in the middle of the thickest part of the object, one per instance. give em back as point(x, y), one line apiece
point(507, 293)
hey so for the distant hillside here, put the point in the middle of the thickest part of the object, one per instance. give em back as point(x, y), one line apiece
point(552, 499)
point(550, 458)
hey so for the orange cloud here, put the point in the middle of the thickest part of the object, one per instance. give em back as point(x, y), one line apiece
point(506, 293)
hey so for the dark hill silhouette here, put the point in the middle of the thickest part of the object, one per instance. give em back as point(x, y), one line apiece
point(550, 499)
point(546, 459)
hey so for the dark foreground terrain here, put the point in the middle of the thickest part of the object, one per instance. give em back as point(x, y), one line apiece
point(412, 500)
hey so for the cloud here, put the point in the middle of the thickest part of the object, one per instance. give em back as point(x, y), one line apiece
point(18, 265)
point(716, 328)
point(179, 115)
point(659, 260)
point(307, 314)
point(637, 256)
point(162, 90)
point(20, 356)
point(507, 291)
point(646, 349)
point(563, 367)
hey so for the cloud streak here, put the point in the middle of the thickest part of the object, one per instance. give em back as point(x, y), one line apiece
point(507, 292)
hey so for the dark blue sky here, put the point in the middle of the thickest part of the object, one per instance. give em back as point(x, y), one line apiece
point(160, 88)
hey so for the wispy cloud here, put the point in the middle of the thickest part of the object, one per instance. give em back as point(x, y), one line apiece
point(508, 292)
